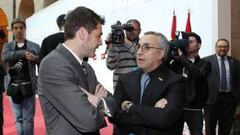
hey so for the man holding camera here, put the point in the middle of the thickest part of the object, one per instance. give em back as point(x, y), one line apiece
point(21, 55)
point(122, 57)
point(195, 71)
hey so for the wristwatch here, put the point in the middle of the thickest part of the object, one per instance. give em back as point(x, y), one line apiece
point(128, 106)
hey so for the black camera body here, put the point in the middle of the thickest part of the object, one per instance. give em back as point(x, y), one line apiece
point(176, 44)
point(118, 32)
point(14, 70)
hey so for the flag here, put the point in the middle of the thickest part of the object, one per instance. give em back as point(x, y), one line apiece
point(188, 25)
point(174, 26)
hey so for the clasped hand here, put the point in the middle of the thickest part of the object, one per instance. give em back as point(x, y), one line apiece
point(30, 56)
point(159, 104)
point(100, 92)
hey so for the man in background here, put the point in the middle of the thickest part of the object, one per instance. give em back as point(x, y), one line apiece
point(122, 57)
point(224, 90)
point(52, 41)
point(195, 70)
point(21, 55)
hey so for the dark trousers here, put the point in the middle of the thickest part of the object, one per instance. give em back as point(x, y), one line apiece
point(221, 113)
point(1, 113)
point(194, 120)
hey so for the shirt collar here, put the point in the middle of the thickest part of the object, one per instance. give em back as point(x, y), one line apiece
point(75, 55)
point(219, 57)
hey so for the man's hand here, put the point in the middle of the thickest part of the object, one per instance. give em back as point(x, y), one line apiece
point(180, 53)
point(127, 42)
point(100, 91)
point(126, 105)
point(108, 41)
point(161, 103)
point(30, 56)
point(92, 98)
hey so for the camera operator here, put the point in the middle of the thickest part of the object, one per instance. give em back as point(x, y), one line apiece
point(122, 57)
point(195, 70)
point(21, 55)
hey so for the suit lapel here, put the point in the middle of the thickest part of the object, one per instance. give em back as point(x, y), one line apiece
point(231, 69)
point(156, 84)
point(75, 64)
point(135, 92)
point(215, 66)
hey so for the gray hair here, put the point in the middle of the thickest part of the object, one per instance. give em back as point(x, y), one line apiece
point(162, 42)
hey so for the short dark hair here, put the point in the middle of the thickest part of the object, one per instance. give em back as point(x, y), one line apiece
point(134, 20)
point(81, 17)
point(18, 20)
point(61, 20)
point(222, 39)
point(196, 36)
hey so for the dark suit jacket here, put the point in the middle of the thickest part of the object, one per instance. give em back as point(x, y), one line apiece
point(214, 79)
point(145, 119)
point(196, 83)
point(50, 43)
point(65, 106)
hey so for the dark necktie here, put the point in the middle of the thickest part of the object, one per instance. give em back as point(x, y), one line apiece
point(224, 77)
point(85, 71)
point(144, 82)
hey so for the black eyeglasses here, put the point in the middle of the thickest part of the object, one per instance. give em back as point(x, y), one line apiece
point(146, 47)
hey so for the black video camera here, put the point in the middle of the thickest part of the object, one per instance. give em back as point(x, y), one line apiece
point(14, 70)
point(176, 44)
point(118, 32)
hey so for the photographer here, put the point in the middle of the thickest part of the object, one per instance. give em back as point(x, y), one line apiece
point(21, 55)
point(195, 70)
point(122, 57)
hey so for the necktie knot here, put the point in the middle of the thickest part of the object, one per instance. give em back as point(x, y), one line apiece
point(222, 58)
point(84, 69)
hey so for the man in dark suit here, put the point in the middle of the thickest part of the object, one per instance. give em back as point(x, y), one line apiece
point(72, 100)
point(224, 90)
point(149, 99)
point(52, 41)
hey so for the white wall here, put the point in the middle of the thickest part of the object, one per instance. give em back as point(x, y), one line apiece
point(154, 15)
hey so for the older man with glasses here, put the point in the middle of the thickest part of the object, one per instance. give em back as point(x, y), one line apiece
point(149, 99)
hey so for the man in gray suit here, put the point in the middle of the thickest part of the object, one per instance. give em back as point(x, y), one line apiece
point(72, 100)
point(224, 91)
